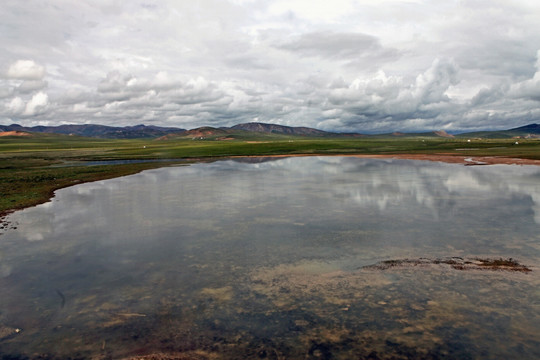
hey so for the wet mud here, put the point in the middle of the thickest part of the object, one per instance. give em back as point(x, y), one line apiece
point(6, 225)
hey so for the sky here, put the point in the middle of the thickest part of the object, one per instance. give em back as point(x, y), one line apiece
point(340, 65)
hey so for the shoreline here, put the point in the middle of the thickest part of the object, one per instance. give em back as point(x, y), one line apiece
point(446, 158)
point(465, 160)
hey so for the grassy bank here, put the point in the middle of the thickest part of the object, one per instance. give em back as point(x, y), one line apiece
point(30, 171)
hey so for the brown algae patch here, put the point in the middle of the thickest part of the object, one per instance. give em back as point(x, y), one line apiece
point(7, 332)
point(289, 286)
point(221, 294)
point(400, 314)
point(190, 355)
point(456, 263)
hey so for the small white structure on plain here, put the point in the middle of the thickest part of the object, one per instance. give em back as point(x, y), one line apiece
point(469, 140)
point(144, 147)
point(517, 143)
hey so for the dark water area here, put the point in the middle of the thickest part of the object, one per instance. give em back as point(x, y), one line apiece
point(269, 260)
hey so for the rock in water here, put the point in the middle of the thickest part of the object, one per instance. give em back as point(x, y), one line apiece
point(6, 332)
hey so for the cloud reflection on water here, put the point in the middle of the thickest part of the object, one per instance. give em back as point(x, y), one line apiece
point(245, 243)
point(170, 195)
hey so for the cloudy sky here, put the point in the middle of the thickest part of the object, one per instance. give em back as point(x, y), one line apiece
point(341, 65)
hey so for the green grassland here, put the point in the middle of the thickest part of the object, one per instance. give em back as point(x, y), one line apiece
point(32, 167)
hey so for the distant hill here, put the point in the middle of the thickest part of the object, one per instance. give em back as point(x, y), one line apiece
point(289, 130)
point(204, 132)
point(280, 129)
point(14, 133)
point(440, 133)
point(253, 130)
point(245, 131)
point(443, 133)
point(97, 131)
point(143, 131)
point(531, 129)
point(527, 131)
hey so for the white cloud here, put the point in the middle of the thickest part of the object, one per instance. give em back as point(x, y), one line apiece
point(345, 65)
point(431, 86)
point(5, 92)
point(29, 86)
point(37, 104)
point(26, 70)
point(392, 98)
point(16, 106)
point(530, 88)
point(315, 10)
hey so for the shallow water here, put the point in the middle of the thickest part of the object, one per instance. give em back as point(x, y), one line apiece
point(239, 259)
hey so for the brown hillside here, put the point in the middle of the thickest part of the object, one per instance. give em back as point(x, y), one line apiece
point(443, 133)
point(14, 133)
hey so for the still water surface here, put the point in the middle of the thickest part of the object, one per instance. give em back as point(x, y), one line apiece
point(265, 260)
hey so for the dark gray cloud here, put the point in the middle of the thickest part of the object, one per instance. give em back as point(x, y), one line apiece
point(346, 66)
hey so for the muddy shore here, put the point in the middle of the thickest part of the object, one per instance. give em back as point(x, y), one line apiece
point(447, 158)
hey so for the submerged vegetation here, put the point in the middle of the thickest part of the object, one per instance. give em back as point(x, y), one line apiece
point(456, 263)
point(32, 167)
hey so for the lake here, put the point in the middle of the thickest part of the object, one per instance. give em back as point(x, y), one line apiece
point(291, 258)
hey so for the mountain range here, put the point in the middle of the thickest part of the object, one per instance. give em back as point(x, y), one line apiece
point(144, 131)
point(97, 131)
point(527, 131)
